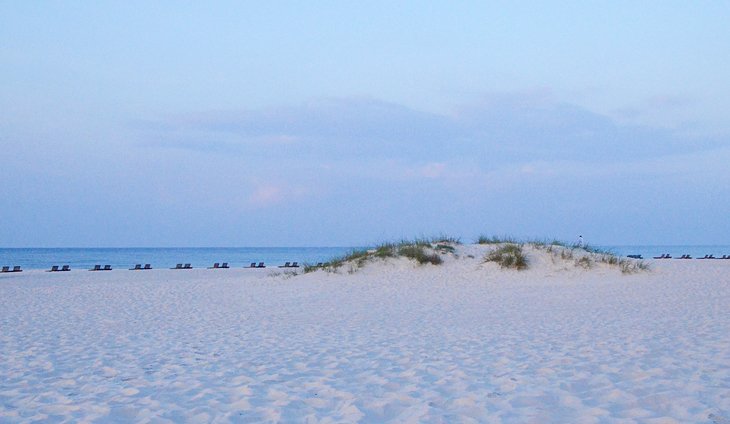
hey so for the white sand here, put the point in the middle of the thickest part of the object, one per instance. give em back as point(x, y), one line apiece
point(461, 342)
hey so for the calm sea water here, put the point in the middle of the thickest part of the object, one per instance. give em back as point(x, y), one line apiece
point(80, 258)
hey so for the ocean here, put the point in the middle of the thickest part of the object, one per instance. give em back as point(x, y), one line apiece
point(84, 258)
point(166, 257)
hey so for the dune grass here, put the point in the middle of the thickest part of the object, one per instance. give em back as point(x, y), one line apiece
point(422, 250)
point(582, 256)
point(419, 254)
point(509, 255)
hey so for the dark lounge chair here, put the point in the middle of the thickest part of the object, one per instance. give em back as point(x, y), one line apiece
point(147, 266)
point(295, 265)
point(286, 265)
point(215, 266)
point(224, 265)
point(6, 269)
point(253, 265)
point(261, 265)
point(107, 268)
point(187, 266)
point(16, 269)
point(96, 268)
point(634, 256)
point(137, 267)
point(705, 257)
point(664, 256)
point(178, 266)
point(54, 268)
point(65, 268)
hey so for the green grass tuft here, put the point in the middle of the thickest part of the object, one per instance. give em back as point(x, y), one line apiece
point(419, 254)
point(495, 240)
point(509, 255)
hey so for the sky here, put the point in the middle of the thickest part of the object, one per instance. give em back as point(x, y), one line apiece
point(138, 124)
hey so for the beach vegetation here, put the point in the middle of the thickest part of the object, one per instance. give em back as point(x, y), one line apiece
point(446, 239)
point(386, 250)
point(584, 262)
point(508, 252)
point(419, 254)
point(630, 266)
point(509, 255)
point(445, 248)
point(494, 239)
point(422, 250)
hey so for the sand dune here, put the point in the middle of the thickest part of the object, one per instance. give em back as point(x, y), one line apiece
point(464, 341)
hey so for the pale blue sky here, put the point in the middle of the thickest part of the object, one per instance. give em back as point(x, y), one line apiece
point(346, 123)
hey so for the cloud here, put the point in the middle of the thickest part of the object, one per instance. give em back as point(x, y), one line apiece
point(497, 130)
point(358, 170)
point(264, 195)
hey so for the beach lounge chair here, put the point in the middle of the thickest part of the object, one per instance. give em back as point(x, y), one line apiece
point(6, 269)
point(65, 268)
point(178, 266)
point(54, 268)
point(634, 256)
point(253, 265)
point(107, 268)
point(286, 265)
point(705, 257)
point(136, 267)
point(224, 265)
point(187, 266)
point(215, 266)
point(16, 269)
point(261, 265)
point(96, 268)
point(295, 265)
point(147, 266)
point(663, 255)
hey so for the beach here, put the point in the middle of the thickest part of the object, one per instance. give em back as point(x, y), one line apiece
point(392, 341)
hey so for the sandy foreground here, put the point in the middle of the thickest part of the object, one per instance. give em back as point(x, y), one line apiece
point(394, 342)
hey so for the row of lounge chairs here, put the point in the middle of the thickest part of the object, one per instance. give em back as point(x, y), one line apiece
point(668, 256)
point(55, 268)
point(15, 269)
point(99, 268)
point(139, 267)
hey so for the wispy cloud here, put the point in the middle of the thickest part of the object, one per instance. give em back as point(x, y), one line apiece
point(497, 130)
